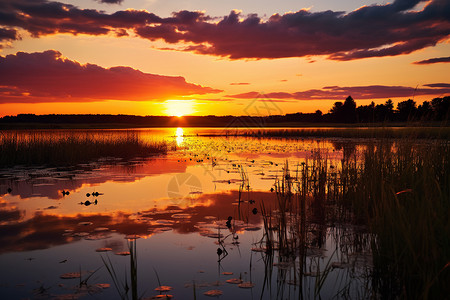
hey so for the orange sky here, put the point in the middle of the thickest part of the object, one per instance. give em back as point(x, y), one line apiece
point(238, 58)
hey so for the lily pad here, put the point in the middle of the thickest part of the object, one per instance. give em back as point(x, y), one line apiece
point(71, 275)
point(234, 281)
point(163, 288)
point(213, 293)
point(246, 285)
point(103, 249)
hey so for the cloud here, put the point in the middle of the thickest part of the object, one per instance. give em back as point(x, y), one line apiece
point(433, 61)
point(438, 85)
point(110, 1)
point(357, 92)
point(239, 83)
point(370, 31)
point(49, 77)
point(8, 34)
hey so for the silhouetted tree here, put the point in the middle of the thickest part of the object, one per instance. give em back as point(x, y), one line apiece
point(344, 112)
point(349, 110)
point(424, 111)
point(441, 108)
point(407, 110)
point(366, 113)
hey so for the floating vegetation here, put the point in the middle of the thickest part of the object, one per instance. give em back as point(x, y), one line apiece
point(163, 288)
point(160, 229)
point(97, 236)
point(85, 223)
point(213, 293)
point(165, 296)
point(81, 234)
point(163, 222)
point(132, 237)
point(101, 229)
point(234, 281)
point(71, 275)
point(246, 285)
point(181, 216)
point(105, 249)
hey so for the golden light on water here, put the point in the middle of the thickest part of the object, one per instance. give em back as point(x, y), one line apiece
point(179, 108)
point(179, 134)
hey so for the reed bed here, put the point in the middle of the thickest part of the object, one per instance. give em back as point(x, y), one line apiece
point(391, 200)
point(350, 132)
point(71, 147)
point(405, 195)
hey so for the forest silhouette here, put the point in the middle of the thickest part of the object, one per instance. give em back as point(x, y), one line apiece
point(347, 112)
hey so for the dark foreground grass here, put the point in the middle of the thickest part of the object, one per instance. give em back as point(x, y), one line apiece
point(405, 196)
point(399, 192)
point(71, 147)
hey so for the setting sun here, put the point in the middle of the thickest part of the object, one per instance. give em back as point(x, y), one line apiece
point(179, 108)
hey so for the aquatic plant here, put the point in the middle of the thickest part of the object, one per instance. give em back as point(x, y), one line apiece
point(122, 287)
point(72, 147)
point(437, 132)
point(396, 196)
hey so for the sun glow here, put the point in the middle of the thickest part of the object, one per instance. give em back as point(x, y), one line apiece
point(179, 108)
point(179, 136)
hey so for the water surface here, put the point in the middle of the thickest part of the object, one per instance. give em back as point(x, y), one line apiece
point(175, 208)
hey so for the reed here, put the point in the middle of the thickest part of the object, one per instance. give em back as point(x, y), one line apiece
point(72, 147)
point(396, 196)
point(122, 287)
point(438, 132)
point(406, 194)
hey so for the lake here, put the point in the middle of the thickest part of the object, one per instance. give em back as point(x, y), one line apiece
point(214, 216)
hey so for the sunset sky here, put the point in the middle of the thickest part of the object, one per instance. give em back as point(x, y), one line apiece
point(203, 57)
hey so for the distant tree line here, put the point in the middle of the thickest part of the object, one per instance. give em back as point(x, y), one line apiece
point(436, 110)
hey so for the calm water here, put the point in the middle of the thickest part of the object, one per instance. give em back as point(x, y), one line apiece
point(176, 205)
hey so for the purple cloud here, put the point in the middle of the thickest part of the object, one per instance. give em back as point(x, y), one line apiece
point(357, 92)
point(370, 31)
point(433, 61)
point(49, 77)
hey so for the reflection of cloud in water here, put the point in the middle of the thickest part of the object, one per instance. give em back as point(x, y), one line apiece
point(45, 230)
point(51, 182)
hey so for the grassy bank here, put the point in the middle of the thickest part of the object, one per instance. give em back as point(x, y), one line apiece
point(68, 148)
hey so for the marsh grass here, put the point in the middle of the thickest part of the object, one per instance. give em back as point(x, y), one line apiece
point(72, 147)
point(395, 200)
point(405, 195)
point(437, 132)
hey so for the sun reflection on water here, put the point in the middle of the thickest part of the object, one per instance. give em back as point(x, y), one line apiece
point(179, 136)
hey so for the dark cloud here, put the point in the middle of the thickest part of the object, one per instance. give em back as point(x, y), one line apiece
point(438, 85)
point(8, 34)
point(370, 31)
point(110, 1)
point(433, 61)
point(357, 92)
point(49, 77)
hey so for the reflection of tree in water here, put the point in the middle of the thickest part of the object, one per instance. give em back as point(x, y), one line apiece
point(348, 148)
